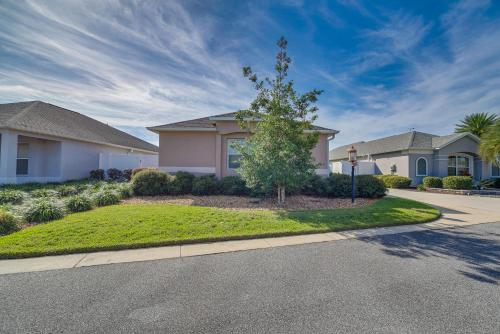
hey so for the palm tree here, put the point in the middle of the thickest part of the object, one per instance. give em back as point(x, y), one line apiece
point(476, 123)
point(490, 143)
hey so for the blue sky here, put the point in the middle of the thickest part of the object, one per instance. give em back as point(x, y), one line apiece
point(385, 67)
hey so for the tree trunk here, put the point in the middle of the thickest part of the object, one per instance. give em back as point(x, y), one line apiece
point(281, 195)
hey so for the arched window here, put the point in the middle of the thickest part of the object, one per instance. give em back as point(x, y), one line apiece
point(421, 166)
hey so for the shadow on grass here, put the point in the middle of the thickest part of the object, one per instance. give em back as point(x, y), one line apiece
point(479, 251)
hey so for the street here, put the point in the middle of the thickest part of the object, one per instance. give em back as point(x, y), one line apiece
point(435, 281)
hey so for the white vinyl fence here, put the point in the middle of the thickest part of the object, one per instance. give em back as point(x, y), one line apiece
point(127, 161)
point(363, 168)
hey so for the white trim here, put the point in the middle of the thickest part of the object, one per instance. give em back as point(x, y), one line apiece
point(171, 169)
point(426, 167)
point(323, 171)
point(468, 156)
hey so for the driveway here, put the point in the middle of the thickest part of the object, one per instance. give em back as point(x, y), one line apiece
point(460, 209)
point(430, 281)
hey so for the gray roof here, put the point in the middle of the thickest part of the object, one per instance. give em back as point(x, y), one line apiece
point(47, 119)
point(209, 123)
point(400, 142)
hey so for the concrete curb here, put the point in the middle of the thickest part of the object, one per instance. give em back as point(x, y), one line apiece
point(172, 252)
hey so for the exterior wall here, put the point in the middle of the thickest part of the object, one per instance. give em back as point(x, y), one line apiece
point(464, 145)
point(384, 162)
point(412, 166)
point(127, 161)
point(225, 171)
point(188, 151)
point(44, 160)
point(345, 167)
point(320, 154)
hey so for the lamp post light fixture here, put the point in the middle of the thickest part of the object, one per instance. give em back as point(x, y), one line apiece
point(352, 159)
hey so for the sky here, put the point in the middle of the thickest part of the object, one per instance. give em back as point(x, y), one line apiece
point(385, 67)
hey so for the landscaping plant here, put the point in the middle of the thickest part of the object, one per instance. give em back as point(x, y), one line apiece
point(8, 223)
point(205, 185)
point(368, 186)
point(66, 190)
point(182, 183)
point(315, 186)
point(457, 182)
point(78, 203)
point(476, 124)
point(489, 147)
point(97, 174)
point(42, 210)
point(432, 182)
point(277, 156)
point(39, 193)
point(150, 182)
point(106, 197)
point(11, 196)
point(234, 185)
point(395, 181)
point(127, 174)
point(115, 174)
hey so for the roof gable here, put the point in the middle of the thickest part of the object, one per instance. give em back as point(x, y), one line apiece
point(44, 118)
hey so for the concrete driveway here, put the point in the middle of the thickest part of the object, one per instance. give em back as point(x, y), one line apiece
point(460, 209)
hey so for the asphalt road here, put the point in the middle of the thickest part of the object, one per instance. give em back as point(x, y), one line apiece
point(421, 282)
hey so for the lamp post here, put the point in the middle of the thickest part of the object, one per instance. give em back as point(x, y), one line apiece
point(352, 159)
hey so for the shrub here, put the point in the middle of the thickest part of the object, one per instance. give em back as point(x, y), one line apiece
point(64, 191)
point(115, 174)
point(106, 197)
point(421, 187)
point(205, 185)
point(338, 185)
point(78, 203)
point(150, 182)
point(234, 185)
point(127, 174)
point(137, 170)
point(432, 182)
point(395, 181)
point(11, 196)
point(124, 190)
point(42, 210)
point(315, 186)
point(8, 223)
point(97, 174)
point(496, 182)
point(39, 193)
point(368, 186)
point(457, 182)
point(182, 183)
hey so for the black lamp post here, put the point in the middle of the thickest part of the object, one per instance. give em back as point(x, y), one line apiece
point(352, 159)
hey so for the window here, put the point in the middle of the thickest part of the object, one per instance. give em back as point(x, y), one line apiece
point(495, 168)
point(22, 159)
point(233, 156)
point(421, 167)
point(459, 165)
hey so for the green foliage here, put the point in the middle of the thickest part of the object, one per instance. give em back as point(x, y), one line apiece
point(115, 174)
point(395, 181)
point(127, 174)
point(421, 187)
point(8, 223)
point(205, 185)
point(66, 190)
point(457, 182)
point(106, 197)
point(489, 148)
point(496, 182)
point(40, 193)
point(97, 174)
point(278, 154)
point(11, 196)
point(42, 210)
point(124, 190)
point(432, 182)
point(150, 182)
point(477, 123)
point(78, 203)
point(315, 185)
point(339, 185)
point(137, 170)
point(368, 186)
point(234, 185)
point(182, 183)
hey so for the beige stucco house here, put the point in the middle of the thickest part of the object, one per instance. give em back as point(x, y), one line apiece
point(203, 146)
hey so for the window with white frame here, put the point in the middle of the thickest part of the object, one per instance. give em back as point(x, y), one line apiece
point(495, 168)
point(233, 156)
point(459, 165)
point(22, 161)
point(421, 166)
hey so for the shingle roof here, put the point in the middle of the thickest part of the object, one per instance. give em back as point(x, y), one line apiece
point(209, 123)
point(44, 118)
point(400, 142)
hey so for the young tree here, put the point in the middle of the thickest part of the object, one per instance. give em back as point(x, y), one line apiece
point(490, 143)
point(476, 123)
point(277, 157)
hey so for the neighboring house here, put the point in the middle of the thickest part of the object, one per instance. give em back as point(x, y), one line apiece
point(417, 154)
point(41, 142)
point(204, 146)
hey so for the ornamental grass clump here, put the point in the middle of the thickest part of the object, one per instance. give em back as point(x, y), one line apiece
point(8, 223)
point(106, 197)
point(43, 193)
point(66, 190)
point(43, 210)
point(78, 203)
point(11, 197)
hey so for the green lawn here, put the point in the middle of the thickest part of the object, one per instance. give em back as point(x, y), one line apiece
point(142, 225)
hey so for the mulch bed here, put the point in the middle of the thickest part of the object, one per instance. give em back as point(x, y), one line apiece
point(298, 202)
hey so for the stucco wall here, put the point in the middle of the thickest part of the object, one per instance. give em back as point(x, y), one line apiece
point(412, 158)
point(385, 161)
point(463, 145)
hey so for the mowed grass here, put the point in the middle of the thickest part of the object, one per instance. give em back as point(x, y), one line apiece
point(143, 225)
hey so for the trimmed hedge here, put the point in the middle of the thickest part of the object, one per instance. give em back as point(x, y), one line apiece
point(205, 185)
point(457, 182)
point(140, 169)
point(368, 186)
point(234, 185)
point(315, 186)
point(182, 183)
point(395, 181)
point(338, 185)
point(150, 182)
point(433, 182)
